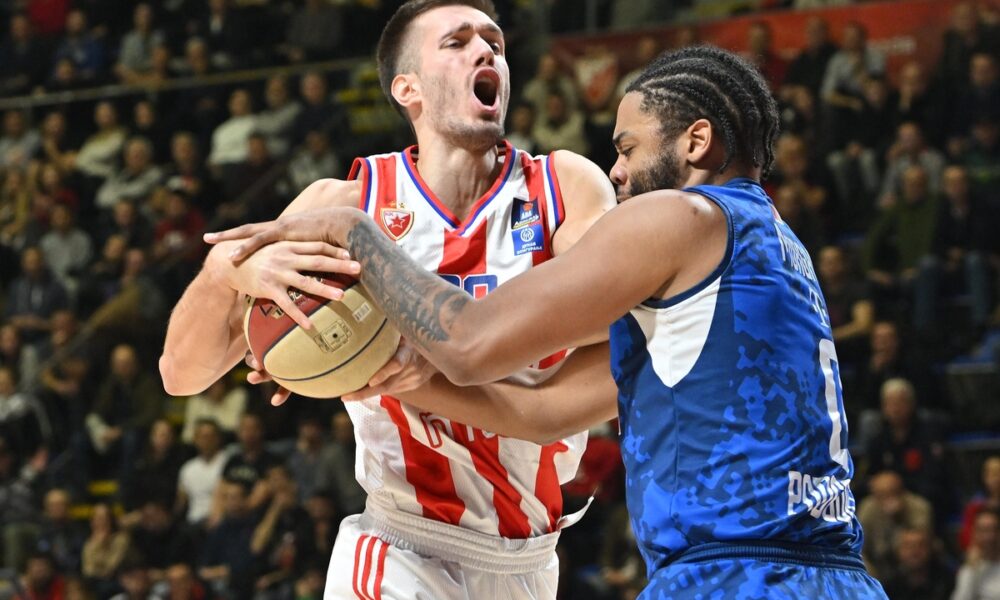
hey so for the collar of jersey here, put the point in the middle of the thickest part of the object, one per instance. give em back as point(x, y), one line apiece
point(453, 222)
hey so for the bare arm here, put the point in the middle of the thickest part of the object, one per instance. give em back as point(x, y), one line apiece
point(581, 394)
point(653, 245)
point(205, 333)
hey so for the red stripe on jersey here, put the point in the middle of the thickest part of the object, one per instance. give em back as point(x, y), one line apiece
point(535, 183)
point(368, 568)
point(464, 255)
point(485, 453)
point(551, 360)
point(557, 198)
point(380, 570)
point(357, 566)
point(361, 167)
point(427, 471)
point(547, 482)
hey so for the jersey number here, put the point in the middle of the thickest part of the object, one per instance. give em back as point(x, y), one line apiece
point(831, 373)
point(476, 286)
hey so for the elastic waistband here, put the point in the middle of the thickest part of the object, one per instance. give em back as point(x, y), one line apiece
point(770, 551)
point(492, 554)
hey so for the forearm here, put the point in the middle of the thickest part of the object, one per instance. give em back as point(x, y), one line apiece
point(202, 342)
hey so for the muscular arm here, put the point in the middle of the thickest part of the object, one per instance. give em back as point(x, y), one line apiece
point(205, 333)
point(581, 394)
point(634, 252)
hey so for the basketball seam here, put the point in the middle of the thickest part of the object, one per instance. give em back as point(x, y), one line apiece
point(294, 326)
point(345, 361)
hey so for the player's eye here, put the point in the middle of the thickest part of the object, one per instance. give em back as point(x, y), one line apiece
point(497, 47)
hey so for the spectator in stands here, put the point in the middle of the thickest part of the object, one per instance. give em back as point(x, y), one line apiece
point(136, 180)
point(275, 122)
point(181, 584)
point(21, 358)
point(960, 257)
point(547, 78)
point(226, 33)
point(910, 148)
point(15, 208)
point(979, 576)
point(128, 402)
point(304, 461)
point(126, 220)
point(18, 144)
point(65, 77)
point(249, 464)
point(154, 471)
point(52, 184)
point(560, 126)
point(282, 537)
point(808, 68)
point(222, 402)
point(23, 59)
point(966, 35)
point(762, 55)
point(980, 99)
point(256, 173)
point(196, 62)
point(325, 519)
point(189, 169)
point(318, 110)
point(793, 168)
point(135, 55)
point(56, 144)
point(981, 156)
point(33, 296)
point(23, 422)
point(99, 154)
point(888, 360)
point(849, 308)
point(336, 471)
point(81, 47)
point(41, 579)
point(646, 49)
point(159, 539)
point(66, 247)
point(910, 443)
point(200, 476)
point(60, 535)
point(522, 125)
point(229, 140)
point(315, 32)
point(916, 101)
point(919, 571)
point(987, 498)
point(901, 237)
point(315, 160)
point(146, 123)
point(177, 236)
point(134, 580)
point(226, 559)
point(19, 517)
point(104, 550)
point(887, 510)
point(846, 73)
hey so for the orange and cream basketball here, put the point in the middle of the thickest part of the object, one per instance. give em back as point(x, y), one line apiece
point(350, 340)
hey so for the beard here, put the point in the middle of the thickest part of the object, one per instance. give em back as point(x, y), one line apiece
point(465, 132)
point(663, 174)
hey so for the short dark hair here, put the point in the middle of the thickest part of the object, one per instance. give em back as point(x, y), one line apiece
point(389, 53)
point(705, 82)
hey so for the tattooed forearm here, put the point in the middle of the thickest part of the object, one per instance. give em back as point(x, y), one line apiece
point(421, 304)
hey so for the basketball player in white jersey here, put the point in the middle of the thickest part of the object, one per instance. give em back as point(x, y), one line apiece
point(453, 511)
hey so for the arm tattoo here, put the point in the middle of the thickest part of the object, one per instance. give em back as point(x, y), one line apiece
point(423, 305)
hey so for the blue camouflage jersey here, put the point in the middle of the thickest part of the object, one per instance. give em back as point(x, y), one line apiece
point(732, 420)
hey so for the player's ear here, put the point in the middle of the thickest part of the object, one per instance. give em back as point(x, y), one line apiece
point(699, 140)
point(405, 89)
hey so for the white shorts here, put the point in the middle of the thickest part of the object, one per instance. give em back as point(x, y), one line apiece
point(389, 555)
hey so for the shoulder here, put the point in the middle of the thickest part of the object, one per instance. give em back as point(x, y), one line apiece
point(324, 193)
point(580, 180)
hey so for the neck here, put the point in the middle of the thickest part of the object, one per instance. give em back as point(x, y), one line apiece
point(713, 177)
point(438, 162)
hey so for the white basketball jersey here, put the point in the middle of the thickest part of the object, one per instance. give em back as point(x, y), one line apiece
point(425, 464)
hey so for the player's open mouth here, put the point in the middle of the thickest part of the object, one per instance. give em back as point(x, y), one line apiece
point(487, 87)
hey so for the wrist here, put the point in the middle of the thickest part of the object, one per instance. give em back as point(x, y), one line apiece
point(346, 220)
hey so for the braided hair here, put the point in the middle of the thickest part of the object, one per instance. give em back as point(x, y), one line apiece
point(708, 82)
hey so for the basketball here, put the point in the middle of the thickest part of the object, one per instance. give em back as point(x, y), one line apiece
point(350, 341)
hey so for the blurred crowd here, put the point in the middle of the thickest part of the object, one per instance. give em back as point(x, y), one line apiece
point(110, 488)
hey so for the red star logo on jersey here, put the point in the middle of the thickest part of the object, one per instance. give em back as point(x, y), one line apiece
point(397, 222)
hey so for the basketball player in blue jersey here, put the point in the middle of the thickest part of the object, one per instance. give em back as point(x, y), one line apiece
point(729, 397)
